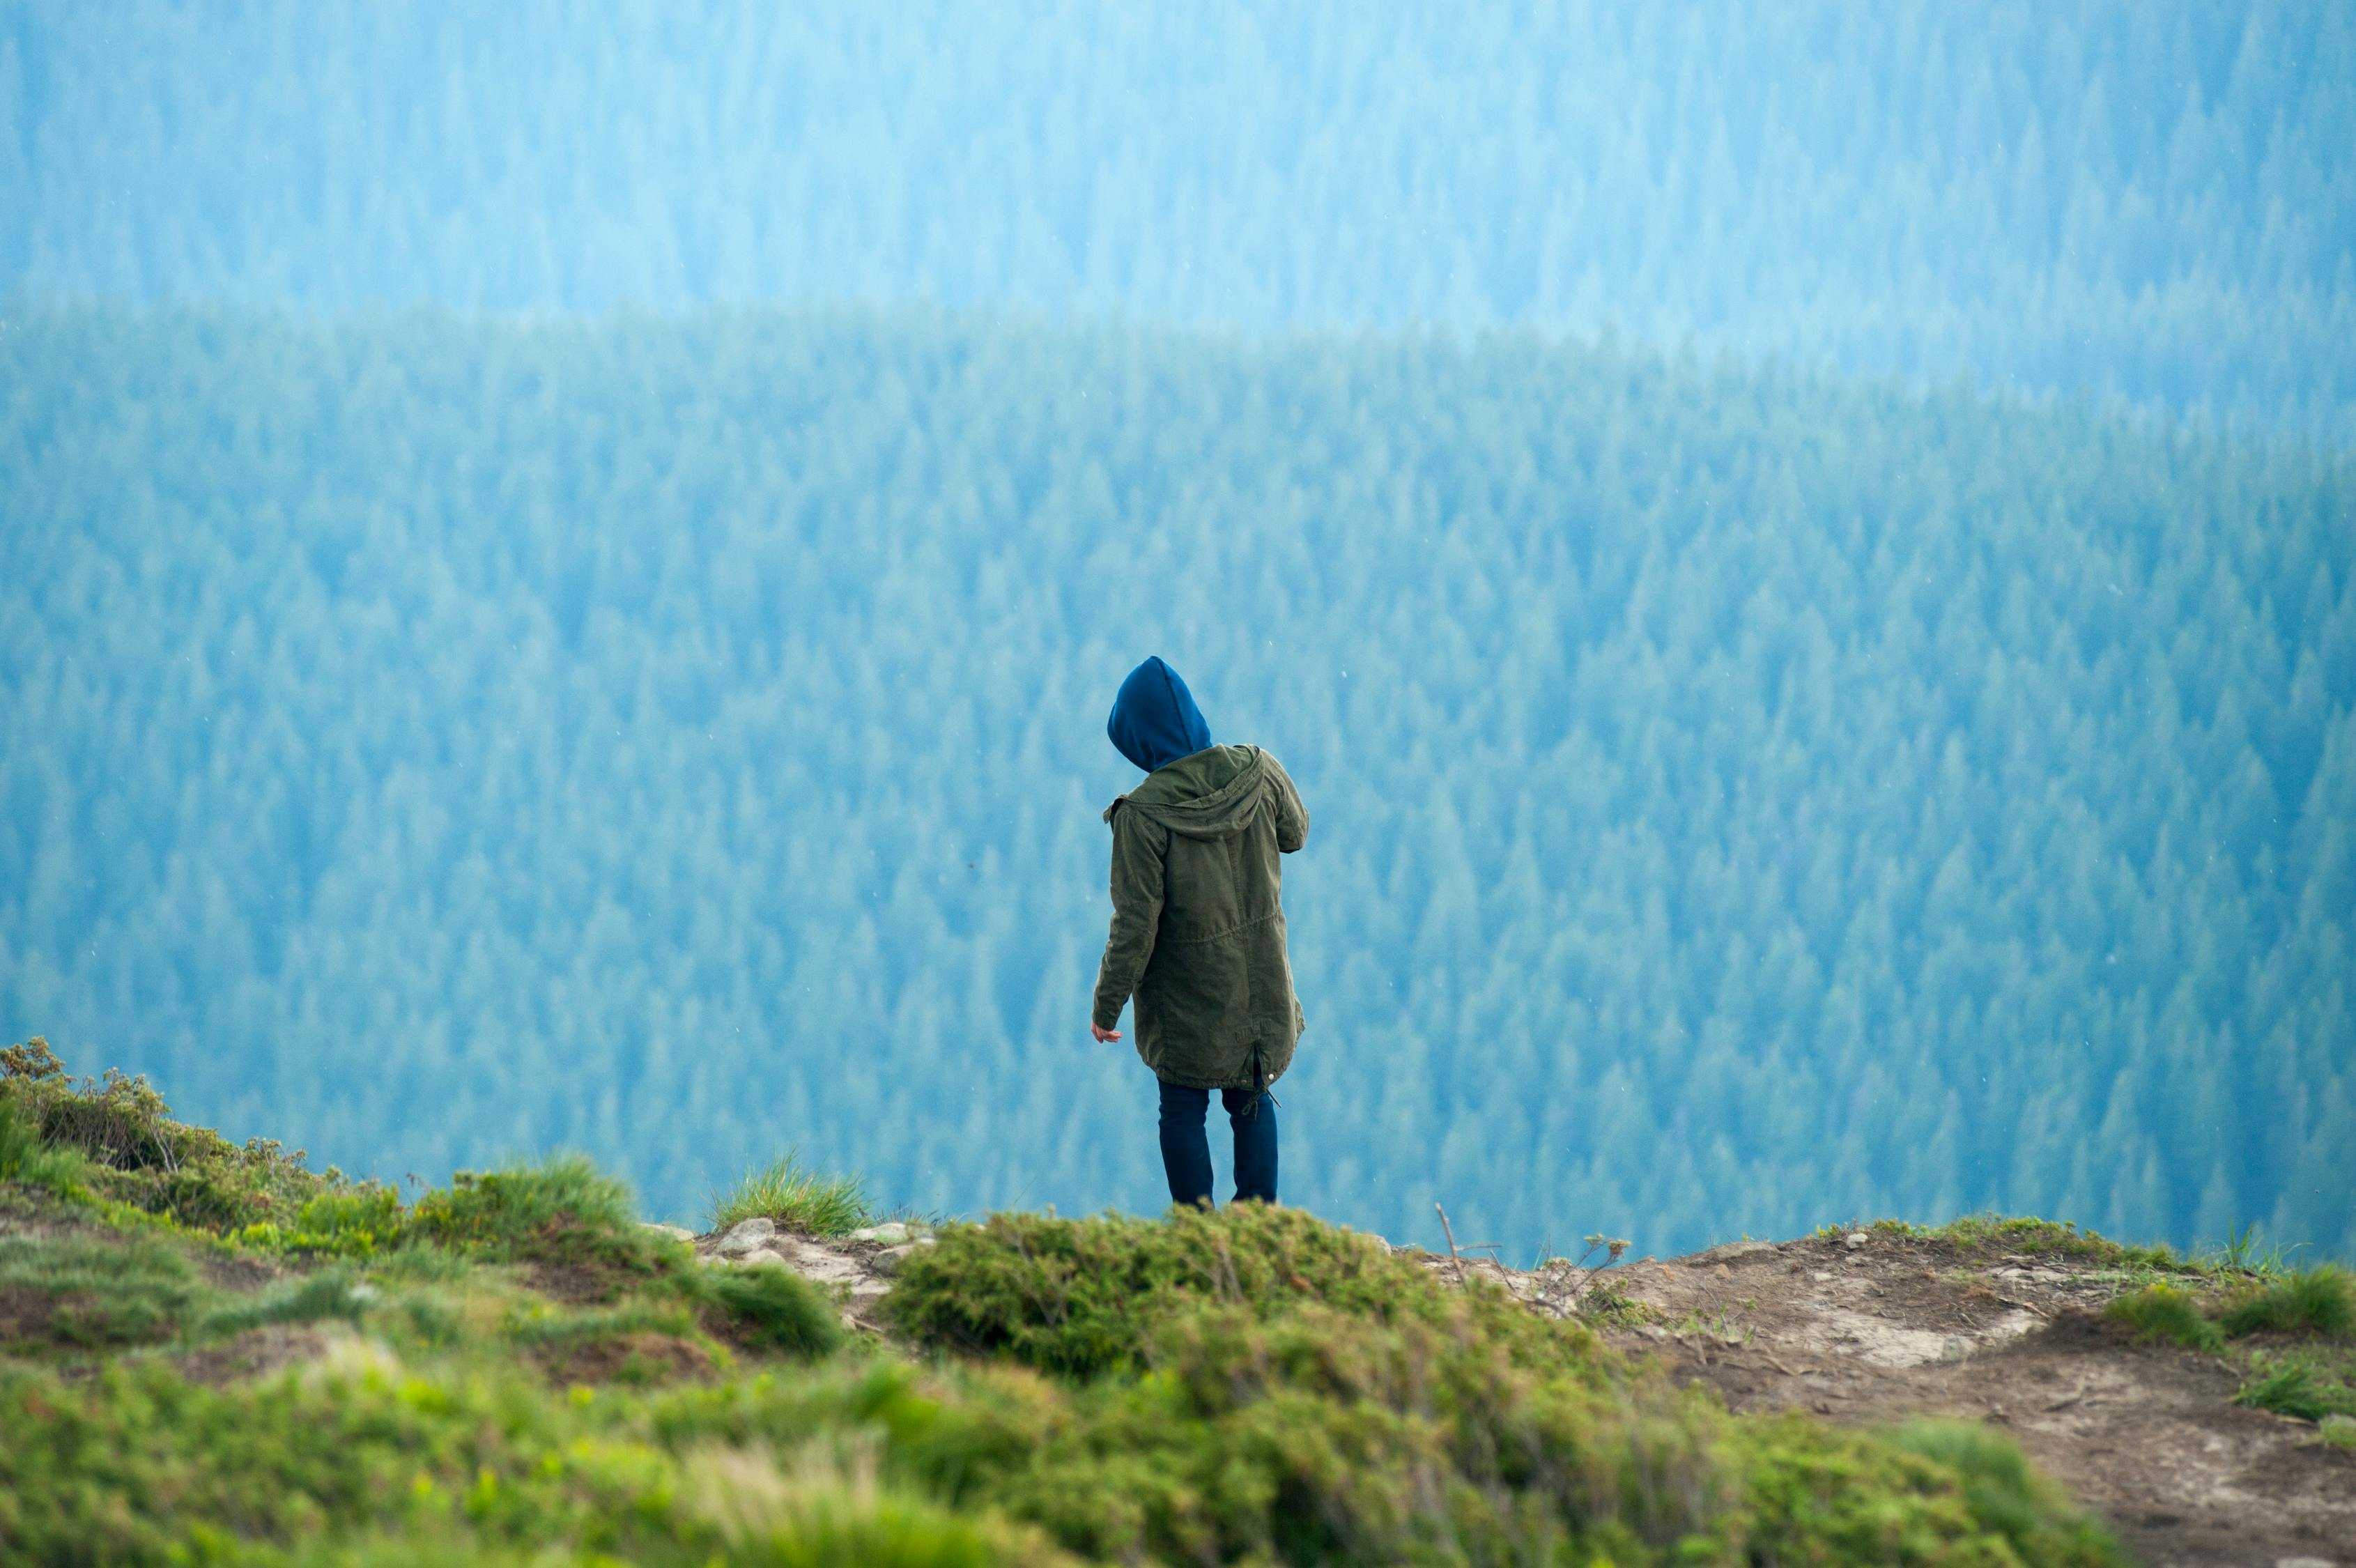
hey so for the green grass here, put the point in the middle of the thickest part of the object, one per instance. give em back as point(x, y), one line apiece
point(2166, 1313)
point(514, 1370)
point(2319, 1299)
point(2032, 1237)
point(2299, 1382)
point(80, 1294)
point(812, 1202)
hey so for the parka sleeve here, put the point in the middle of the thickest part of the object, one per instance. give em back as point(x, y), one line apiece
point(1137, 871)
point(1292, 816)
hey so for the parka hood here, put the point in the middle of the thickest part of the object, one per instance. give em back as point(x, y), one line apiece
point(1155, 721)
point(1211, 794)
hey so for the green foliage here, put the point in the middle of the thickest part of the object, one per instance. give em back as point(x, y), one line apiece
point(334, 1292)
point(2298, 1384)
point(1246, 1386)
point(812, 1202)
point(26, 1157)
point(2242, 1253)
point(1083, 1297)
point(2032, 1237)
point(562, 1210)
point(81, 1293)
point(2320, 1300)
point(769, 1308)
point(2006, 1496)
point(2165, 1312)
point(112, 1142)
point(352, 1223)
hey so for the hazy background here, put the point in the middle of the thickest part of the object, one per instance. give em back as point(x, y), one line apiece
point(562, 565)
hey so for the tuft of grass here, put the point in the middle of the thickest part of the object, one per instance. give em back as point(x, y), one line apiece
point(2319, 1299)
point(798, 1199)
point(769, 1308)
point(2295, 1385)
point(2164, 1311)
point(2242, 1252)
point(562, 1210)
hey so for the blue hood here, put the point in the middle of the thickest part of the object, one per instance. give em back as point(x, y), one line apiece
point(1154, 720)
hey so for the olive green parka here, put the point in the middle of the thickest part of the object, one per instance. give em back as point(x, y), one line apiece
point(1197, 923)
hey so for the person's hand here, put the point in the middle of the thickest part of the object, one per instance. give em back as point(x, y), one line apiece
point(1102, 1034)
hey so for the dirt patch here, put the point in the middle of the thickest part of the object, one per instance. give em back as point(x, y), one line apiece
point(255, 1353)
point(643, 1355)
point(26, 1314)
point(1900, 1327)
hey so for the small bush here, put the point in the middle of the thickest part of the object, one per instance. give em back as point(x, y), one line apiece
point(769, 1308)
point(26, 1157)
point(2163, 1312)
point(2321, 1300)
point(798, 1199)
point(128, 1150)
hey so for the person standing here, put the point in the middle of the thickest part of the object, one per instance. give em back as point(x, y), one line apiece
point(1198, 936)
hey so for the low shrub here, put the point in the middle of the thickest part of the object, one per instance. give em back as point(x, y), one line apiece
point(2320, 1300)
point(2165, 1313)
point(798, 1199)
point(113, 1140)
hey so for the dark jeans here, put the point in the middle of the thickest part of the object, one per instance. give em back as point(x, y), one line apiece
point(1186, 1153)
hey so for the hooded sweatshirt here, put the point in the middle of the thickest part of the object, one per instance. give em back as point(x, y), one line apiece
point(1197, 932)
point(1154, 720)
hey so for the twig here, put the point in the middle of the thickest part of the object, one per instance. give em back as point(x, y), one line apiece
point(1448, 1230)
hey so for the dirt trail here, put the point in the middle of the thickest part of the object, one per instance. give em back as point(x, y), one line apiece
point(1896, 1326)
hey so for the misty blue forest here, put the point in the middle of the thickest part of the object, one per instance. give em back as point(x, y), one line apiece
point(563, 569)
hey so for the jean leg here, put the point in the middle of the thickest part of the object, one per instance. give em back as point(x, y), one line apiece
point(1186, 1151)
point(1255, 1126)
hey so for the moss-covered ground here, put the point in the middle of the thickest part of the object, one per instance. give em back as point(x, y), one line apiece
point(210, 1354)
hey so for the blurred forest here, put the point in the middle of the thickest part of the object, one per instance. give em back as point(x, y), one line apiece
point(1741, 798)
point(2102, 196)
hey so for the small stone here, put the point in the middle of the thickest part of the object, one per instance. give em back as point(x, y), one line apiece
point(745, 1236)
point(676, 1232)
point(891, 1233)
point(1820, 1276)
point(1652, 1331)
point(1857, 1239)
point(887, 1262)
point(1956, 1348)
point(2305, 1562)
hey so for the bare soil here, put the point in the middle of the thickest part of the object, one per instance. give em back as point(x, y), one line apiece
point(1900, 1327)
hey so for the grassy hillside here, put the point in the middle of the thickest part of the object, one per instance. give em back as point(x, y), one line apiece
point(210, 1353)
point(1736, 797)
